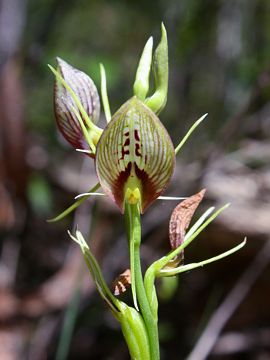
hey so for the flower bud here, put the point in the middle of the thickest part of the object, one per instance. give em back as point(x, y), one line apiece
point(76, 99)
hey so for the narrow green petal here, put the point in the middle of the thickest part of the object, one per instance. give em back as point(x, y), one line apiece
point(75, 205)
point(190, 131)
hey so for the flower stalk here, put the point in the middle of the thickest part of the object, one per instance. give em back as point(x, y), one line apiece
point(141, 303)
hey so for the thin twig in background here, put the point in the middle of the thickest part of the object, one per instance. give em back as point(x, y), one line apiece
point(235, 297)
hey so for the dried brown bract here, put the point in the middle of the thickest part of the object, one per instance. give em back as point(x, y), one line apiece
point(181, 218)
point(122, 283)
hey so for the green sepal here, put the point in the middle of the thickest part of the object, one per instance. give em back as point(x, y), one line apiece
point(183, 268)
point(190, 131)
point(74, 206)
point(141, 84)
point(161, 74)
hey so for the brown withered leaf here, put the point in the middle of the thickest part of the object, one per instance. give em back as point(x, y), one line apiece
point(122, 283)
point(181, 218)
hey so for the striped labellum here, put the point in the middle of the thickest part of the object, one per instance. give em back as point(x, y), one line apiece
point(135, 156)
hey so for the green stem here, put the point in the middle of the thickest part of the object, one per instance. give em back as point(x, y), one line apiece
point(134, 231)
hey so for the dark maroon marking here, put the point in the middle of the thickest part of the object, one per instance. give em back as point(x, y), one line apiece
point(124, 152)
point(127, 142)
point(126, 133)
point(149, 192)
point(136, 135)
point(145, 159)
point(137, 150)
point(118, 185)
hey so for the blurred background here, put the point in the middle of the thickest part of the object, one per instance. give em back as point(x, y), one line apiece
point(219, 55)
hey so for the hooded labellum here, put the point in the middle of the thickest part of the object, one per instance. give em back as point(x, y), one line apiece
point(135, 156)
point(66, 108)
point(180, 220)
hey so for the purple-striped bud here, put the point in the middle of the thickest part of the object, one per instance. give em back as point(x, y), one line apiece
point(75, 96)
point(135, 156)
